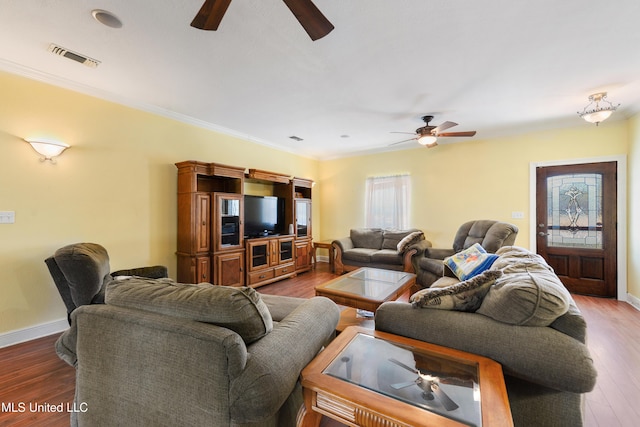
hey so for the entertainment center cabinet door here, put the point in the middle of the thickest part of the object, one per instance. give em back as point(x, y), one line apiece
point(228, 233)
point(229, 269)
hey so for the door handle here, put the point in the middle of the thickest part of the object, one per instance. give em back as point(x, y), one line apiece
point(542, 233)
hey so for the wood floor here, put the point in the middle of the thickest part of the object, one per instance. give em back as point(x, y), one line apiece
point(31, 373)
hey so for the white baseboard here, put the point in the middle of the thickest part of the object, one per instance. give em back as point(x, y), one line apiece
point(634, 301)
point(33, 332)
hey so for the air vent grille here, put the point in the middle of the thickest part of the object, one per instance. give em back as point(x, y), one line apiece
point(83, 59)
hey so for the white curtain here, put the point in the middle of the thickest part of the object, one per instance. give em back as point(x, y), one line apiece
point(388, 201)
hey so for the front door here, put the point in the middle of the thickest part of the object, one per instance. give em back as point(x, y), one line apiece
point(576, 232)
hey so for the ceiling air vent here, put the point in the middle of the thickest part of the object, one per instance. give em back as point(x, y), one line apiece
point(93, 63)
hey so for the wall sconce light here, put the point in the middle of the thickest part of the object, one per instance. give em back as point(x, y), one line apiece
point(598, 113)
point(47, 148)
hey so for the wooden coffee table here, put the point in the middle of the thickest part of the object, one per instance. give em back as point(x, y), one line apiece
point(366, 289)
point(372, 378)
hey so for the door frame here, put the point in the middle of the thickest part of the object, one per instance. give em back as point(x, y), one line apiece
point(621, 260)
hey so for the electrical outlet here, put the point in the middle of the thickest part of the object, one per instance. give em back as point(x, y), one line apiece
point(517, 215)
point(7, 217)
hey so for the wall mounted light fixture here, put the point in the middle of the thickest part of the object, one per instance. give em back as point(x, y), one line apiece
point(47, 148)
point(598, 113)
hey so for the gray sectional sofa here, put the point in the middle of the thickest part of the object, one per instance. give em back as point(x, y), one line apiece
point(527, 322)
point(160, 353)
point(378, 248)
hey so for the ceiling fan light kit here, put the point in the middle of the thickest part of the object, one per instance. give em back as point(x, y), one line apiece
point(598, 113)
point(428, 135)
point(428, 140)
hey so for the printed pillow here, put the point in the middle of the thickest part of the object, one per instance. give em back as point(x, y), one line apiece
point(470, 262)
point(463, 296)
point(409, 240)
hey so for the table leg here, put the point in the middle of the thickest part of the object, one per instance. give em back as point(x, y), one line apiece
point(306, 416)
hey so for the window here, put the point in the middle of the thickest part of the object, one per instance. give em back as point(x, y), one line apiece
point(387, 201)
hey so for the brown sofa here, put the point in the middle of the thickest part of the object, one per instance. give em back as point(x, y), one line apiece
point(379, 248)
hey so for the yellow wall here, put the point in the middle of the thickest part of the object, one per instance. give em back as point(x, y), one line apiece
point(115, 186)
point(455, 183)
point(633, 256)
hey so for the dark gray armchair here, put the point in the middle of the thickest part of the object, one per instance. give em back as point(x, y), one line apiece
point(492, 235)
point(81, 271)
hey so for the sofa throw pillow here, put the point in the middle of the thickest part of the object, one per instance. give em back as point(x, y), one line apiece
point(463, 296)
point(470, 262)
point(529, 293)
point(409, 240)
point(240, 309)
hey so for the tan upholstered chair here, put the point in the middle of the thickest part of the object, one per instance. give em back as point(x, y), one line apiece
point(491, 235)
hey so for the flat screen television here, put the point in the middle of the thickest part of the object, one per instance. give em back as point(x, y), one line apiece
point(263, 216)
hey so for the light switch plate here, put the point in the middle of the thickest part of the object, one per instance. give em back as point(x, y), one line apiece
point(7, 217)
point(517, 215)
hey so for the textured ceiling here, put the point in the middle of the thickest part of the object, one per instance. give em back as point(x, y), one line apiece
point(496, 66)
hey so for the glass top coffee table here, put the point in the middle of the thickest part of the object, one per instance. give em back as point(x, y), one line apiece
point(372, 378)
point(365, 289)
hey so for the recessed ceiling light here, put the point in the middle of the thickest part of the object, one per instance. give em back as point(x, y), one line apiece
point(106, 18)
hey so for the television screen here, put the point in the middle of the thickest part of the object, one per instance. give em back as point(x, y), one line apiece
point(263, 215)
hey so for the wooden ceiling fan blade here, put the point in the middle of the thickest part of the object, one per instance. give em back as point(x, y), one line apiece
point(210, 14)
point(310, 17)
point(469, 133)
point(443, 126)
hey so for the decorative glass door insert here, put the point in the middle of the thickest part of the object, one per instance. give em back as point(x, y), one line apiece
point(575, 210)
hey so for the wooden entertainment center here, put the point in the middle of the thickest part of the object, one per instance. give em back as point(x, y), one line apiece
point(212, 242)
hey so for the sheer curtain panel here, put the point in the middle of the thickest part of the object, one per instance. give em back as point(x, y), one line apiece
point(387, 201)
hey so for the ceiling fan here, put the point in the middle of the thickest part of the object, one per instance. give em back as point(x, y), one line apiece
point(309, 16)
point(428, 135)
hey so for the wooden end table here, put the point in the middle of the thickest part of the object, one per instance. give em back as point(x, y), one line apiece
point(366, 289)
point(325, 244)
point(371, 378)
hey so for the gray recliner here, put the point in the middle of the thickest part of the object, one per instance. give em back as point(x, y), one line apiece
point(81, 271)
point(491, 235)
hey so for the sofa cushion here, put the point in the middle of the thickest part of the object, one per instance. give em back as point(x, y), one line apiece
point(410, 239)
point(470, 262)
point(239, 309)
point(529, 293)
point(461, 296)
point(386, 256)
point(369, 238)
point(85, 266)
point(359, 254)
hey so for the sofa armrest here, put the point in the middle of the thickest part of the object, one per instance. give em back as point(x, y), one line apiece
point(343, 244)
point(152, 272)
point(275, 361)
point(438, 253)
point(340, 246)
point(420, 247)
point(539, 355)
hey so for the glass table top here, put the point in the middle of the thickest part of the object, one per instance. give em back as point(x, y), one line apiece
point(370, 283)
point(448, 387)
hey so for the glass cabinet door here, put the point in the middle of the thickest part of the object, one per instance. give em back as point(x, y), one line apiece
point(259, 254)
point(286, 250)
point(229, 233)
point(303, 218)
